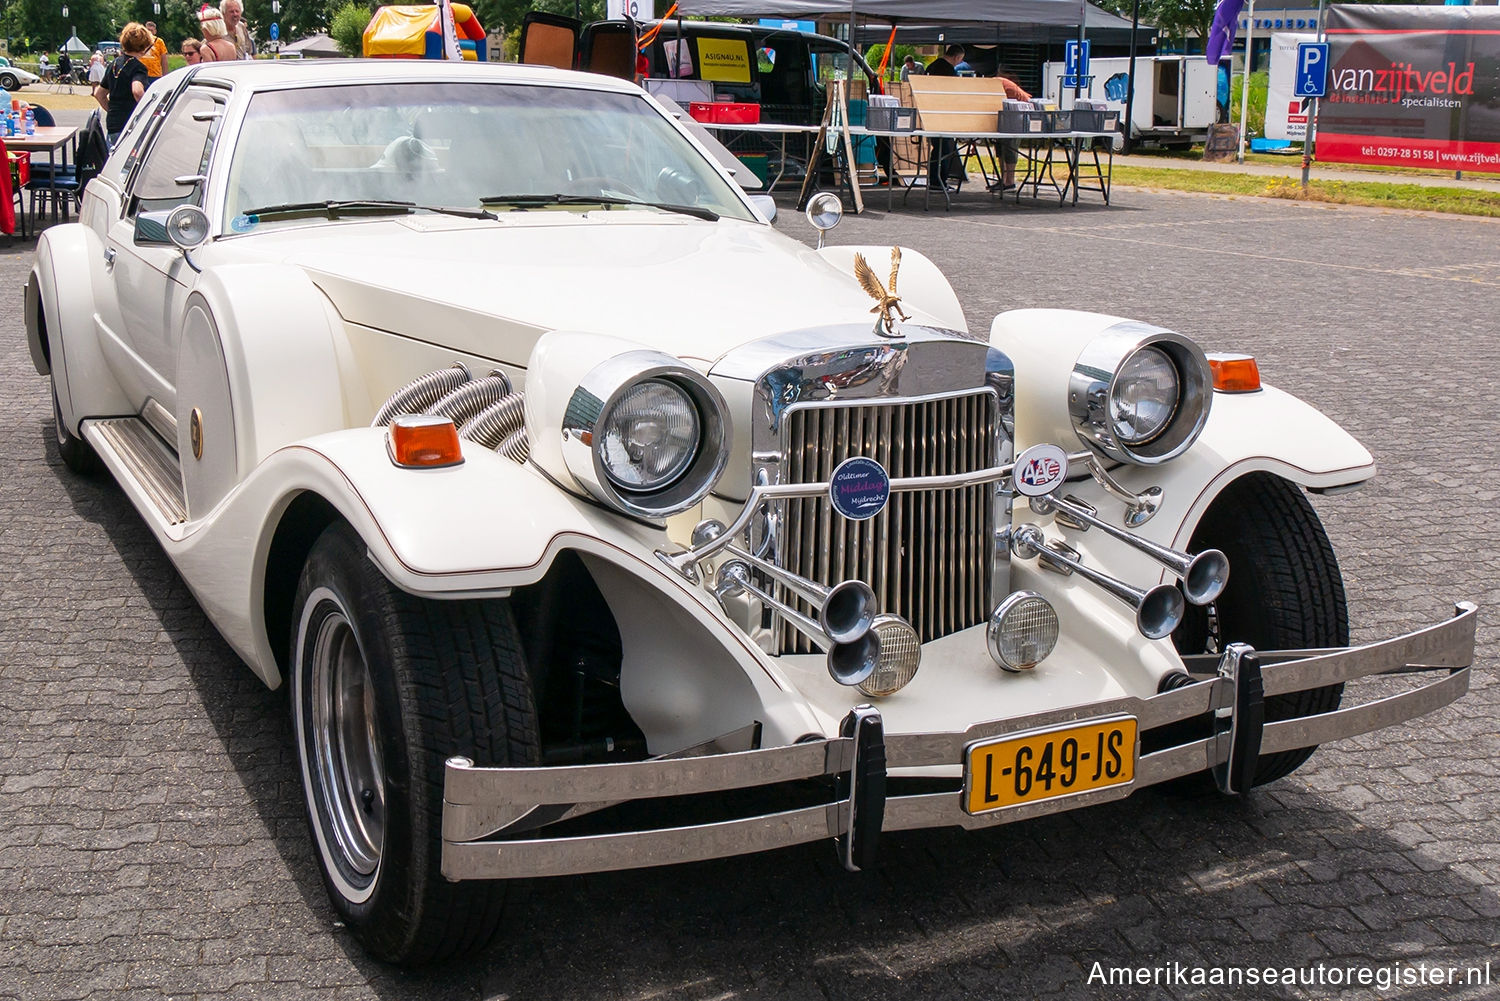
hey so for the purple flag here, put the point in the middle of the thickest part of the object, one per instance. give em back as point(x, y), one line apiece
point(1221, 35)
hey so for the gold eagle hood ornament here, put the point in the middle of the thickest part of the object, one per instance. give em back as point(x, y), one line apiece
point(886, 299)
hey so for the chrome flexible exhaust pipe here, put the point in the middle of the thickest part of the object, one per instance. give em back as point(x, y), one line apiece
point(1203, 575)
point(1158, 610)
point(849, 662)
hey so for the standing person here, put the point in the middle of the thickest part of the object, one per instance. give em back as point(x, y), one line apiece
point(945, 64)
point(944, 166)
point(43, 65)
point(190, 48)
point(65, 67)
point(234, 23)
point(216, 47)
point(909, 68)
point(1009, 154)
point(96, 69)
point(125, 81)
point(155, 60)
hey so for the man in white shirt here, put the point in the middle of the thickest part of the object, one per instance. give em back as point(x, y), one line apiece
point(234, 23)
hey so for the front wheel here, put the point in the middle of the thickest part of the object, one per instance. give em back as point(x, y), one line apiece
point(77, 454)
point(8, 81)
point(385, 688)
point(1285, 593)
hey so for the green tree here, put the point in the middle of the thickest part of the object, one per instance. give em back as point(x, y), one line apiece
point(347, 27)
point(34, 25)
point(1176, 19)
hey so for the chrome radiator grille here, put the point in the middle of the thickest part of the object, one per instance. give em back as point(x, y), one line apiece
point(927, 555)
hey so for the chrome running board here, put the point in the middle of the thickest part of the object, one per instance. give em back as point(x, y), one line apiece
point(139, 459)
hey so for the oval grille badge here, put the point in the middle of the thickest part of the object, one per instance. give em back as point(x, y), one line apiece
point(1040, 470)
point(859, 488)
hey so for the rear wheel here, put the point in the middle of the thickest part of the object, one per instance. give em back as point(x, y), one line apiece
point(1285, 592)
point(77, 454)
point(385, 688)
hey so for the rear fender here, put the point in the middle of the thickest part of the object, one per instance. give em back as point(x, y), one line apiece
point(60, 307)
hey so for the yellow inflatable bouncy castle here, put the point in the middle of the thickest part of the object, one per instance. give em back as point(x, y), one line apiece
point(415, 32)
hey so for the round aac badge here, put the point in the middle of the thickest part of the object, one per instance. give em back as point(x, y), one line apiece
point(859, 488)
point(1040, 470)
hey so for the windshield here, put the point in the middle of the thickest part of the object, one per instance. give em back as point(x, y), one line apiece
point(503, 147)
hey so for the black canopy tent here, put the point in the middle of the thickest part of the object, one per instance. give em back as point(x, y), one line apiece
point(895, 11)
point(967, 13)
point(979, 13)
point(1100, 26)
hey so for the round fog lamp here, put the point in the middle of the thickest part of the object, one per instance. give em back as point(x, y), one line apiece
point(900, 655)
point(1022, 631)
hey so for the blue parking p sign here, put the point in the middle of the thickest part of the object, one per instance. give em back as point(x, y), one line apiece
point(1076, 57)
point(1312, 70)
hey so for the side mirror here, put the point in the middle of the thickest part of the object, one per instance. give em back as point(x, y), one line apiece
point(765, 205)
point(184, 227)
point(824, 210)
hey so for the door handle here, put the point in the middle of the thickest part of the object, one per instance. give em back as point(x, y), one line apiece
point(109, 258)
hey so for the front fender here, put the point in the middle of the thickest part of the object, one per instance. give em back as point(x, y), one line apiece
point(60, 327)
point(481, 529)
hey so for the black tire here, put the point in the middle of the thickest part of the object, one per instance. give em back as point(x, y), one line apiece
point(77, 454)
point(9, 81)
point(440, 678)
point(1285, 592)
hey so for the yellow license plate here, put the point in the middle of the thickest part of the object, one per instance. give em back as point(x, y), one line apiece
point(1047, 764)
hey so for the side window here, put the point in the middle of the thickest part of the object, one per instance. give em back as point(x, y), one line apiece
point(180, 150)
point(138, 130)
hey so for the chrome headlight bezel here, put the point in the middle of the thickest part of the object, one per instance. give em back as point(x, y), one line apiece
point(1094, 383)
point(590, 406)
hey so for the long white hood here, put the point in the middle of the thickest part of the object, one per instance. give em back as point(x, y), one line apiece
point(685, 286)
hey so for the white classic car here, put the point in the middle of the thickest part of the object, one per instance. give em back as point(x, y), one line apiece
point(13, 77)
point(584, 515)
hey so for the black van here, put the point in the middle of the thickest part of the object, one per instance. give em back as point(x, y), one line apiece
point(783, 71)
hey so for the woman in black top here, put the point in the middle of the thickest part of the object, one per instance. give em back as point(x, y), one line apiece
point(124, 81)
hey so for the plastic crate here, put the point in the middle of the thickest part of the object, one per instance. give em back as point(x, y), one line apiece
point(1056, 121)
point(1089, 120)
point(725, 112)
point(891, 120)
point(1020, 121)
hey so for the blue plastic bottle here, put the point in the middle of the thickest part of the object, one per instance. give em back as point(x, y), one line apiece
point(30, 122)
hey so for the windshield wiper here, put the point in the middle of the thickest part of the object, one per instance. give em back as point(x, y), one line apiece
point(527, 200)
point(334, 208)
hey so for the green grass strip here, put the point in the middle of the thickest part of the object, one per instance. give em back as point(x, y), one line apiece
point(1379, 194)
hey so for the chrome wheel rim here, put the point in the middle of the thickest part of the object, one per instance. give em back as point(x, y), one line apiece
point(346, 745)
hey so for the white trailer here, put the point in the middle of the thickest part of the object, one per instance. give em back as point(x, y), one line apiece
point(1174, 101)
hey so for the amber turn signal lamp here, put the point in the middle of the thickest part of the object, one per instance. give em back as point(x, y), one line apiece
point(424, 442)
point(1234, 373)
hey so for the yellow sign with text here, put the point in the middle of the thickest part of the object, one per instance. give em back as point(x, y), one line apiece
point(726, 60)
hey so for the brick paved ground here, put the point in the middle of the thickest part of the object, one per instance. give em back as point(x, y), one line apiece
point(151, 840)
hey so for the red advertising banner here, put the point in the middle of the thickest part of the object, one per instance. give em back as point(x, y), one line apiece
point(1412, 86)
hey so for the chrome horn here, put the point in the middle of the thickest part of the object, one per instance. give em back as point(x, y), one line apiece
point(1203, 575)
point(849, 662)
point(1158, 610)
point(845, 611)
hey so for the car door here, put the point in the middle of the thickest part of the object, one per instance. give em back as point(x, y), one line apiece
point(152, 282)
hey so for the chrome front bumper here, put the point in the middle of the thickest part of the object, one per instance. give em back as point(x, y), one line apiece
point(491, 815)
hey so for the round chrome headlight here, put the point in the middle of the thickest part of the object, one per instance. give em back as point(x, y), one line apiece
point(646, 434)
point(1140, 394)
point(1145, 397)
point(649, 437)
